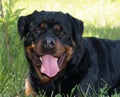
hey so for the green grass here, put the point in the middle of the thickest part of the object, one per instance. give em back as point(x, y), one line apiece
point(101, 19)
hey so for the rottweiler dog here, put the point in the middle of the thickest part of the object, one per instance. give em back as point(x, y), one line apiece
point(61, 60)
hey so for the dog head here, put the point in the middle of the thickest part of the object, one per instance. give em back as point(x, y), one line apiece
point(50, 39)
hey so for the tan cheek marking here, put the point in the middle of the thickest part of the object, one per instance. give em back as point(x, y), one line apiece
point(28, 89)
point(29, 48)
point(43, 78)
point(69, 52)
point(59, 49)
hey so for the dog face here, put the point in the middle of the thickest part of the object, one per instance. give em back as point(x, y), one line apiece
point(50, 39)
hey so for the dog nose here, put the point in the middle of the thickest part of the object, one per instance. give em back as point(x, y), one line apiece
point(48, 43)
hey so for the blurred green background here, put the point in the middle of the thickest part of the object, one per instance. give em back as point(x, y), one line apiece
point(101, 19)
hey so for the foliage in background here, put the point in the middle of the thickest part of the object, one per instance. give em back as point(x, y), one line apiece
point(101, 19)
point(11, 51)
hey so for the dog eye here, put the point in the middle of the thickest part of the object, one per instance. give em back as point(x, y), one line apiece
point(58, 29)
point(43, 26)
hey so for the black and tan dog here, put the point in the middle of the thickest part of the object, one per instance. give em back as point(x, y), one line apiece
point(60, 58)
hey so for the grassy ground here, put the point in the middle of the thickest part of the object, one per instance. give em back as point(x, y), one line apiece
point(101, 19)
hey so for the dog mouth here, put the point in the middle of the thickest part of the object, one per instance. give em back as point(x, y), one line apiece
point(48, 65)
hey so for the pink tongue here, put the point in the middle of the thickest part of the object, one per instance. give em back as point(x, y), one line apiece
point(49, 65)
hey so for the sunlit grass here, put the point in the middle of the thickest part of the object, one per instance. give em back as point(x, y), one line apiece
point(101, 19)
point(98, 12)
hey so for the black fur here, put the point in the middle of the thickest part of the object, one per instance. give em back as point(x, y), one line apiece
point(94, 63)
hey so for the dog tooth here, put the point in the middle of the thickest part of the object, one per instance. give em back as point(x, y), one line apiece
point(56, 59)
point(40, 59)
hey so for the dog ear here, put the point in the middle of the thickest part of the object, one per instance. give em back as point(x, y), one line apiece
point(22, 23)
point(77, 29)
